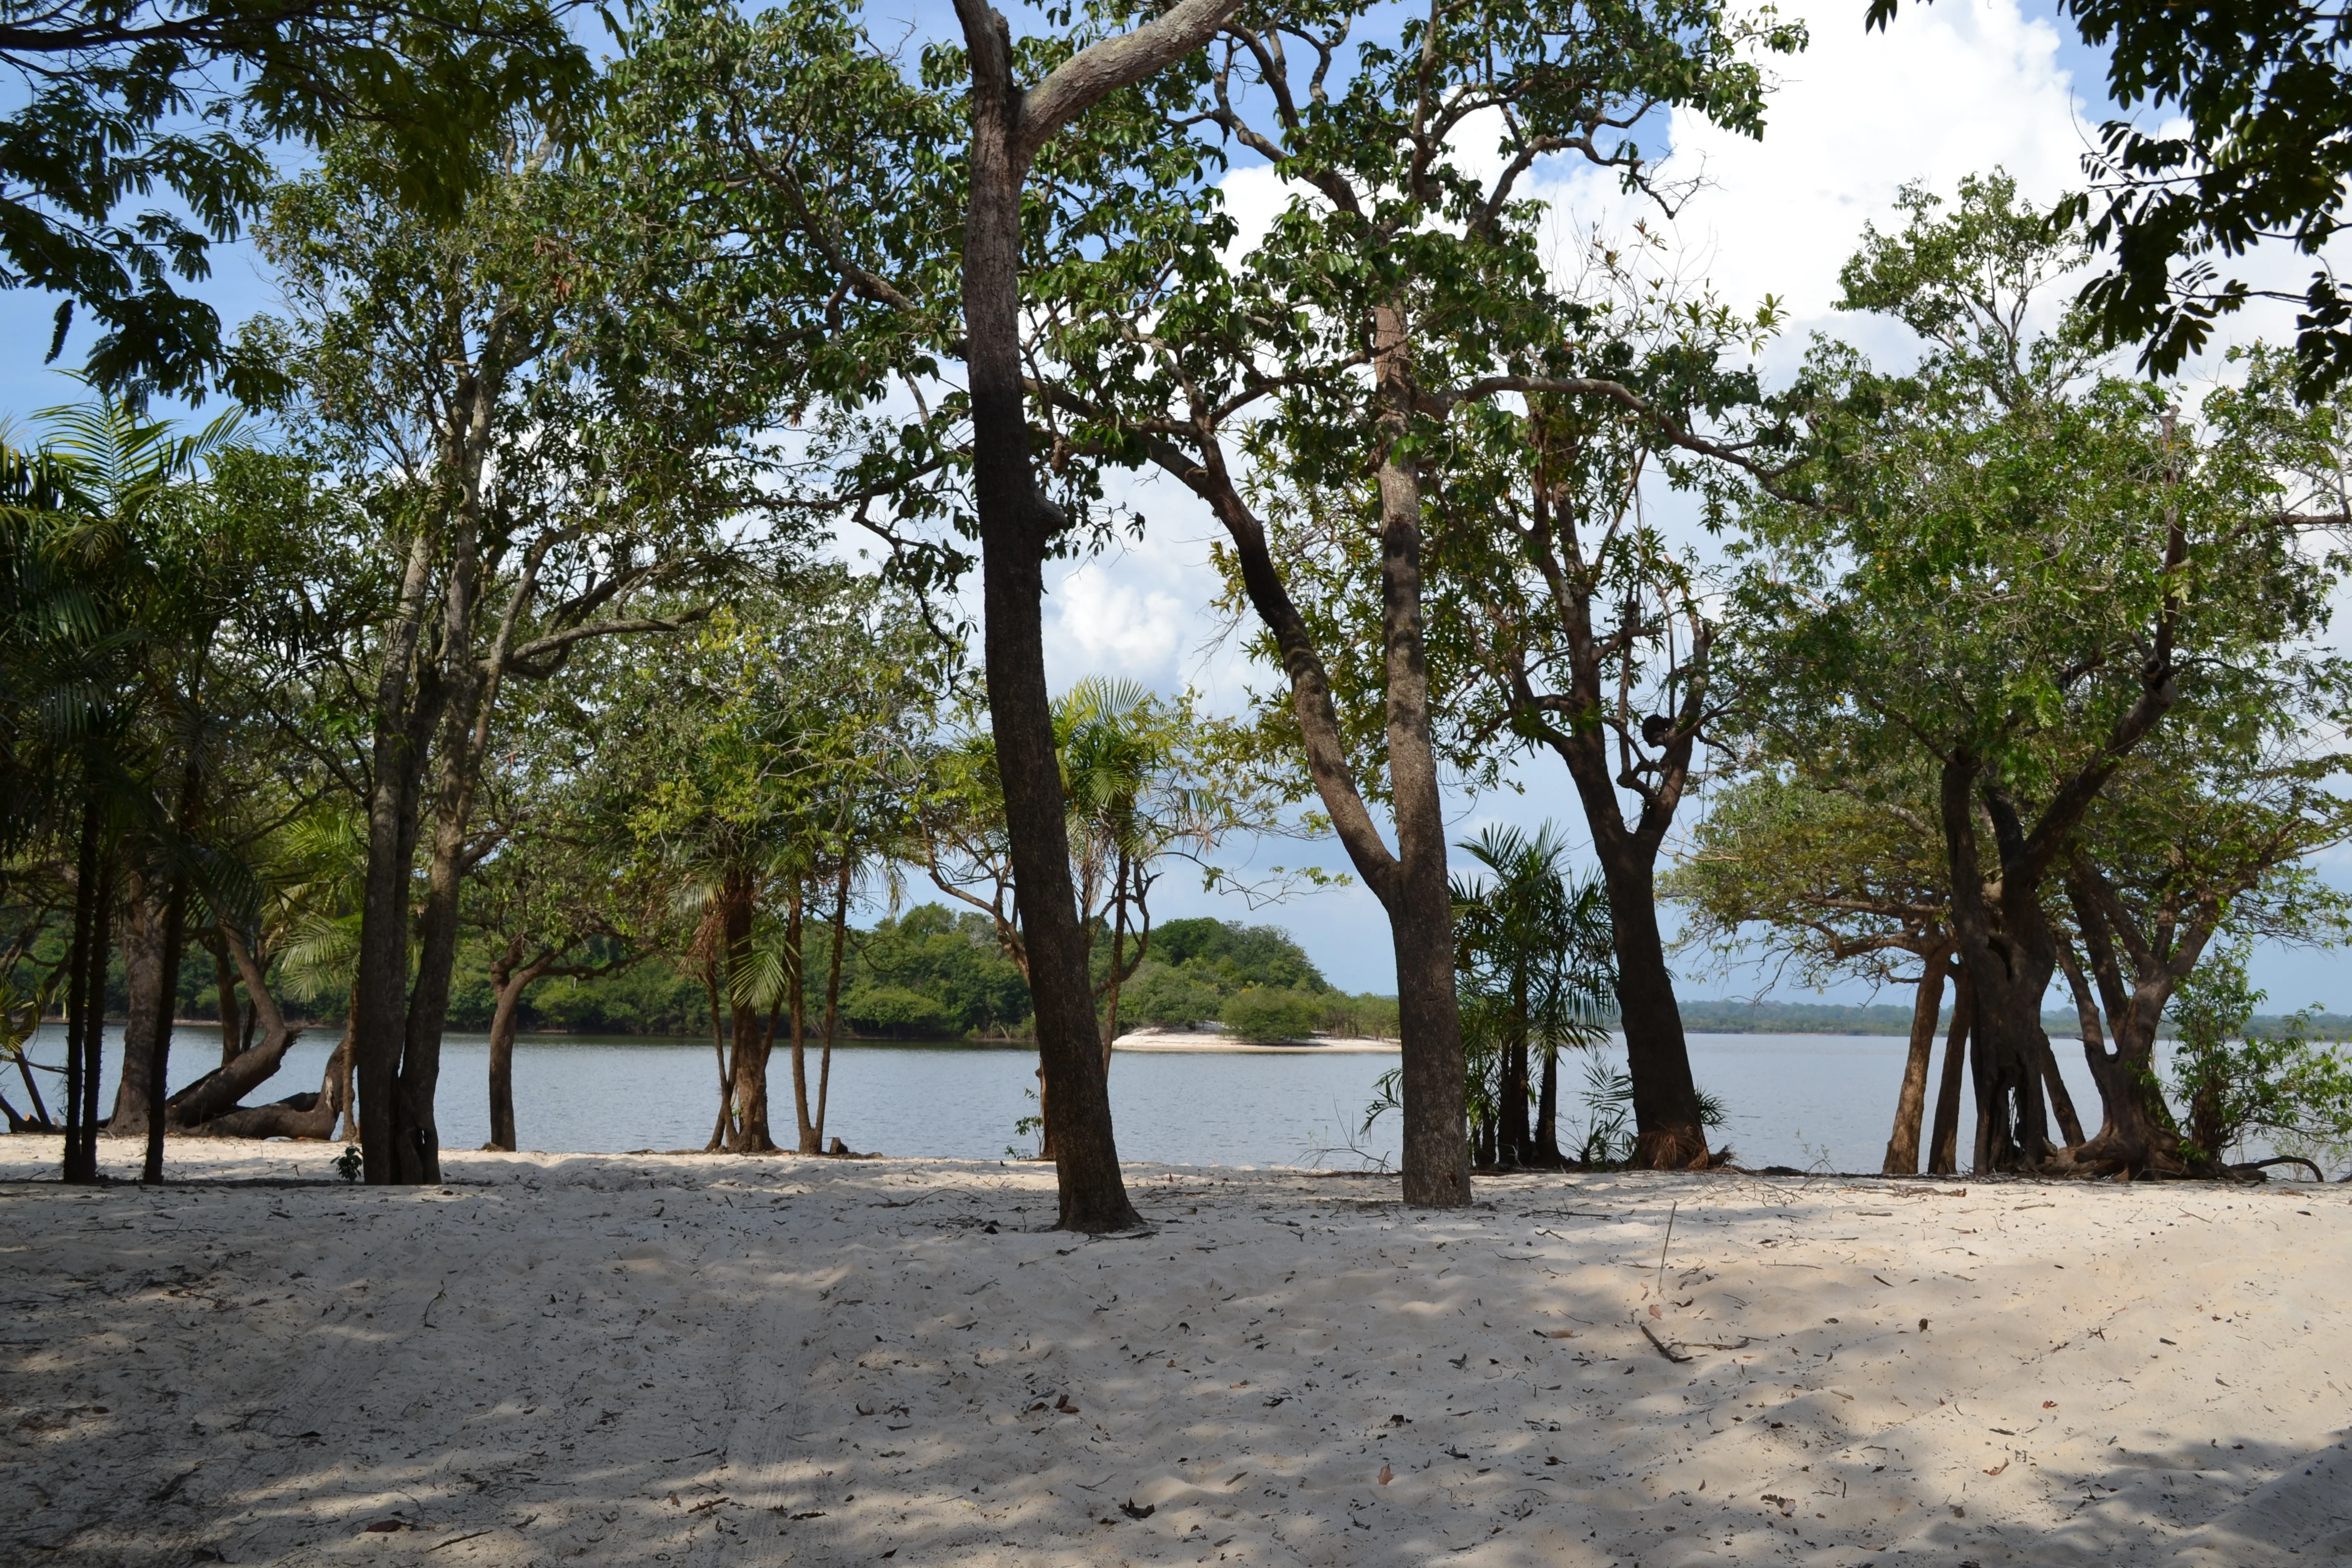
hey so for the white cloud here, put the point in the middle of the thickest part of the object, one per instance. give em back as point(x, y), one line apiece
point(1951, 89)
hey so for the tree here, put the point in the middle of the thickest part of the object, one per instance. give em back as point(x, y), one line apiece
point(1843, 869)
point(539, 473)
point(2202, 840)
point(1402, 286)
point(127, 656)
point(1537, 962)
point(2010, 569)
point(2260, 154)
point(758, 769)
point(118, 100)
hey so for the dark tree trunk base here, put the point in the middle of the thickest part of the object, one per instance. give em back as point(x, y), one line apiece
point(1672, 1148)
point(309, 1116)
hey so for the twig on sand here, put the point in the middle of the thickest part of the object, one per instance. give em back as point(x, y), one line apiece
point(1666, 1348)
point(1662, 1251)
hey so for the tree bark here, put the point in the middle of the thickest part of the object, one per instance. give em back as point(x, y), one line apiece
point(752, 1043)
point(1926, 1011)
point(2138, 1136)
point(175, 920)
point(225, 1004)
point(1547, 1150)
point(217, 1093)
point(833, 987)
point(403, 722)
point(511, 977)
point(724, 1130)
point(1943, 1146)
point(1016, 527)
point(142, 968)
point(82, 1019)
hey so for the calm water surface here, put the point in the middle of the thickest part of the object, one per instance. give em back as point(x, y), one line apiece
point(1793, 1100)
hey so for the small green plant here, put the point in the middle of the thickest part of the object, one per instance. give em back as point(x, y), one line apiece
point(2291, 1093)
point(350, 1163)
point(1026, 1126)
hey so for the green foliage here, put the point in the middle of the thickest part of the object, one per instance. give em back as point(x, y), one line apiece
point(2254, 142)
point(1264, 1013)
point(933, 972)
point(2231, 1084)
point(182, 100)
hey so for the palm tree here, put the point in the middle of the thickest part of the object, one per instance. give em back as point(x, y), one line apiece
point(102, 650)
point(1537, 971)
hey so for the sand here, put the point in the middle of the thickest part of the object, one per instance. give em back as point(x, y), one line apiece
point(1202, 1040)
point(711, 1360)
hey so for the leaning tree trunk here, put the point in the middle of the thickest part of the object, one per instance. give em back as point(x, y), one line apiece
point(1943, 1145)
point(296, 1116)
point(1926, 1011)
point(217, 1093)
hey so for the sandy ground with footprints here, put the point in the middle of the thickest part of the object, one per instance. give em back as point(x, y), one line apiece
point(707, 1359)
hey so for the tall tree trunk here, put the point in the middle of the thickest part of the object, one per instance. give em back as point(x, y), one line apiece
point(1117, 955)
point(175, 922)
point(142, 970)
point(1437, 1144)
point(1017, 525)
point(1668, 1132)
point(1420, 923)
point(1943, 1145)
point(833, 987)
point(402, 719)
point(724, 1129)
point(1547, 1150)
point(1926, 1011)
point(94, 1030)
point(511, 977)
point(810, 1141)
point(80, 1023)
point(1513, 1138)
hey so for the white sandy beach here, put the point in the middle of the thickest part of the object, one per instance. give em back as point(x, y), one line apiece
point(711, 1360)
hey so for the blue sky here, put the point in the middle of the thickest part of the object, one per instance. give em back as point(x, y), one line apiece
point(1952, 88)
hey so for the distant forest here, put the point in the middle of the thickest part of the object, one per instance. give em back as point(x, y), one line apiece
point(929, 973)
point(935, 974)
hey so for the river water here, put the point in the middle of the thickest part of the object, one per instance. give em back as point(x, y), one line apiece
point(1814, 1101)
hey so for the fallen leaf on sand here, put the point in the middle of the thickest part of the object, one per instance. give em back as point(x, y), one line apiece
point(1556, 1334)
point(1387, 1474)
point(385, 1526)
point(1654, 1311)
point(1146, 1511)
point(1998, 1468)
point(2049, 1405)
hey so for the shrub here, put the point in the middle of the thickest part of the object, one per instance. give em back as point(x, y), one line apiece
point(894, 1010)
point(1262, 1012)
